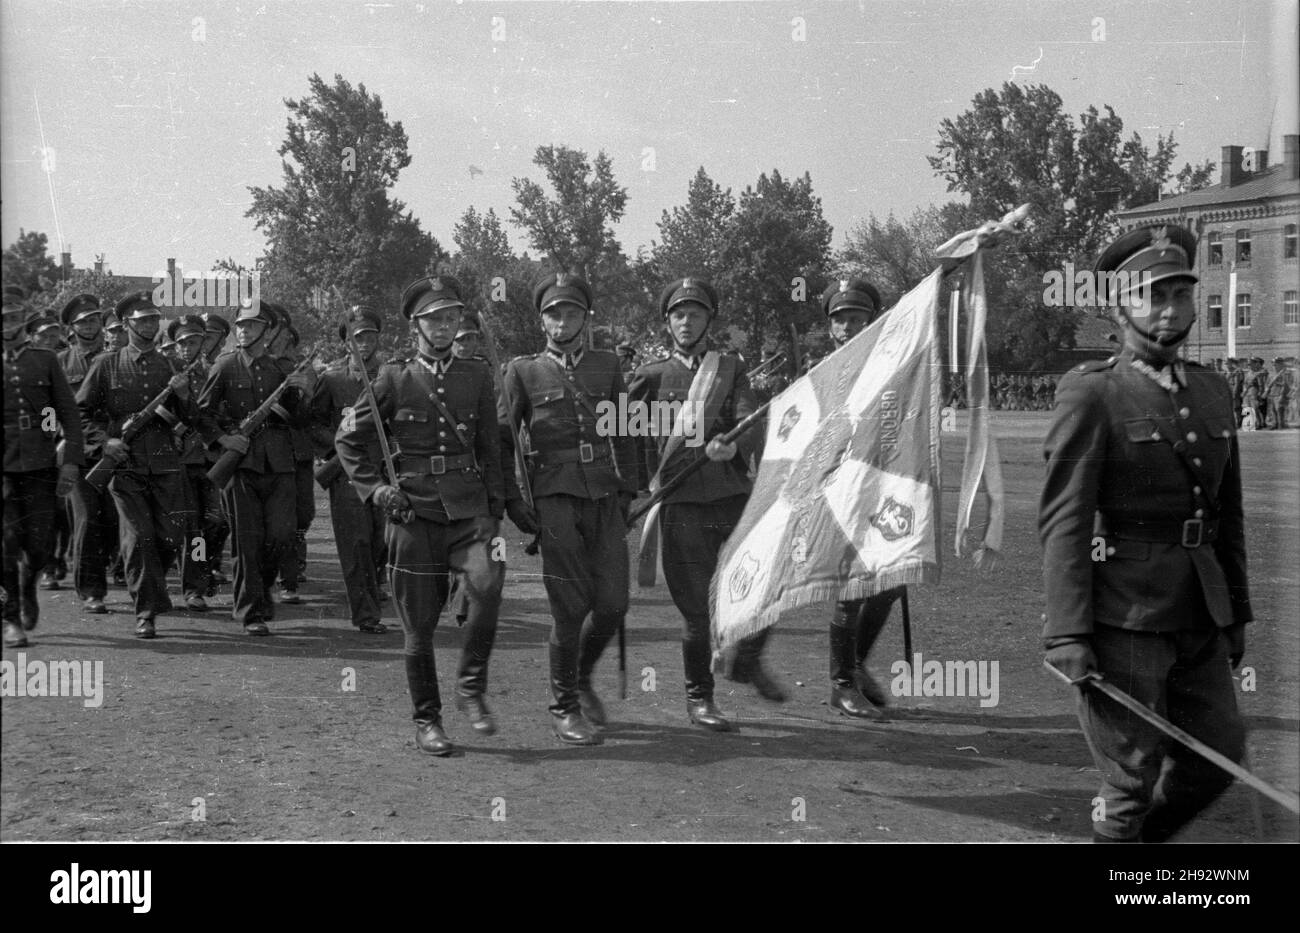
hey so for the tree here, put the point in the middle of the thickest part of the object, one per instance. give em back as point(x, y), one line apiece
point(1194, 177)
point(693, 236)
point(572, 229)
point(1018, 146)
point(26, 263)
point(895, 255)
point(495, 281)
point(333, 223)
point(774, 261)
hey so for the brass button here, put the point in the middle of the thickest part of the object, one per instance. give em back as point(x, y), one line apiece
point(1184, 412)
point(441, 449)
point(1196, 490)
point(1196, 461)
point(441, 390)
point(1199, 513)
point(442, 433)
point(1155, 435)
point(1110, 552)
point(1191, 437)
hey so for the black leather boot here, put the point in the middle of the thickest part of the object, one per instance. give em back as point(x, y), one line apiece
point(471, 685)
point(747, 668)
point(846, 699)
point(697, 664)
point(570, 726)
point(422, 681)
point(871, 621)
point(596, 634)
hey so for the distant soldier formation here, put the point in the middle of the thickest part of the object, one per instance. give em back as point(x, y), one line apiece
point(164, 449)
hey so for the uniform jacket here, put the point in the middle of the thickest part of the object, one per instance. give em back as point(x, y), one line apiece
point(194, 450)
point(34, 386)
point(76, 363)
point(560, 406)
point(121, 383)
point(237, 384)
point(339, 387)
point(670, 381)
point(1112, 460)
point(299, 433)
point(404, 390)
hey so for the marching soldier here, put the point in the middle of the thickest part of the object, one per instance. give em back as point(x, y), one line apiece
point(697, 518)
point(582, 485)
point(358, 526)
point(1142, 452)
point(259, 498)
point(114, 332)
point(147, 486)
point(851, 305)
point(1236, 383)
point(444, 504)
point(202, 499)
point(1275, 396)
point(293, 563)
point(468, 337)
point(1252, 400)
point(94, 516)
point(37, 403)
point(215, 331)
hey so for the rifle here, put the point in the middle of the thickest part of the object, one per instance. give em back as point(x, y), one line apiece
point(395, 517)
point(224, 469)
point(103, 471)
point(332, 468)
point(765, 368)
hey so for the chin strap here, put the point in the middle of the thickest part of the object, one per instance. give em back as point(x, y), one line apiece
point(1153, 347)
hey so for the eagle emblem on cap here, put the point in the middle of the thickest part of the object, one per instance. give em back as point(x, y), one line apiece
point(436, 283)
point(1160, 238)
point(844, 285)
point(686, 282)
point(561, 279)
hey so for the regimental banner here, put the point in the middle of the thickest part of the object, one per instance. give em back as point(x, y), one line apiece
point(846, 503)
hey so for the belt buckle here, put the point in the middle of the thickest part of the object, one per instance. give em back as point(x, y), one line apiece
point(586, 453)
point(24, 421)
point(438, 465)
point(1193, 528)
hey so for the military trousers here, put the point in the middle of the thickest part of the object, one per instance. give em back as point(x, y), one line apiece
point(152, 522)
point(29, 510)
point(584, 561)
point(94, 537)
point(260, 509)
point(359, 538)
point(304, 505)
point(867, 617)
point(422, 555)
point(1152, 785)
point(204, 519)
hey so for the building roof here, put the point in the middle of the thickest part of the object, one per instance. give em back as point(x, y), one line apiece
point(1272, 183)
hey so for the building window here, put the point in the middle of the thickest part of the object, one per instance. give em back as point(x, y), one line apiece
point(1289, 242)
point(1215, 321)
point(1216, 249)
point(1243, 247)
point(1243, 310)
point(1291, 307)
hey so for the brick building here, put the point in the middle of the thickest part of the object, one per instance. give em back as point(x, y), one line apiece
point(1247, 223)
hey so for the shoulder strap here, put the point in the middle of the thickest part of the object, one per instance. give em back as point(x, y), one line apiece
point(446, 413)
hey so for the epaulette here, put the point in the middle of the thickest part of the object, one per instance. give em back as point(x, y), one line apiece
point(398, 361)
point(1096, 366)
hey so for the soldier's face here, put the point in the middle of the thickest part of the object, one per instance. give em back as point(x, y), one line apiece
point(47, 339)
point(438, 328)
point(563, 322)
point(248, 333)
point(119, 337)
point(1164, 310)
point(145, 329)
point(687, 323)
point(88, 327)
point(367, 342)
point(466, 346)
point(190, 347)
point(210, 340)
point(845, 325)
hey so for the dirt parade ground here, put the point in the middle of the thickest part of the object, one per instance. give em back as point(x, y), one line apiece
point(207, 734)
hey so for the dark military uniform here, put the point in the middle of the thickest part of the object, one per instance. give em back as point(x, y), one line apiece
point(94, 516)
point(442, 416)
point(294, 561)
point(37, 403)
point(147, 487)
point(696, 519)
point(358, 525)
point(1145, 563)
point(578, 478)
point(259, 501)
point(202, 498)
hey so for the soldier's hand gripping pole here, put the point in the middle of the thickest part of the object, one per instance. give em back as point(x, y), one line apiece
point(224, 469)
point(1094, 681)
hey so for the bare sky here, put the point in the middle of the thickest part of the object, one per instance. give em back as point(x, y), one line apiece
point(159, 115)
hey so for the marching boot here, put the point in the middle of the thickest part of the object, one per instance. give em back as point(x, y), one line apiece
point(747, 668)
point(422, 681)
point(845, 697)
point(697, 665)
point(871, 621)
point(570, 726)
point(471, 685)
point(596, 633)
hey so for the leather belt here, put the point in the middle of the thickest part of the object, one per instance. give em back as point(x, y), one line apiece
point(585, 453)
point(1190, 533)
point(436, 465)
